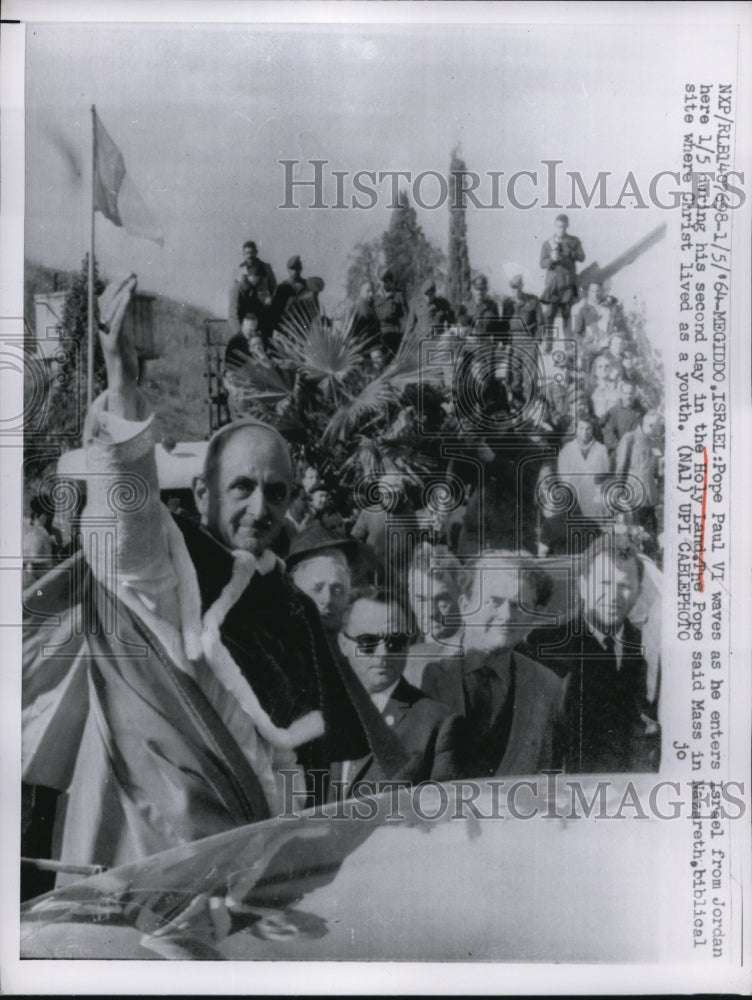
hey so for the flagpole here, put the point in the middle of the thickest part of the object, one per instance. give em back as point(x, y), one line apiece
point(90, 304)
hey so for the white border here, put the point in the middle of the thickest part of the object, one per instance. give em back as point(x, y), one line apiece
point(306, 978)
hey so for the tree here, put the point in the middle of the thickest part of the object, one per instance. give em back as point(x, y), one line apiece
point(57, 423)
point(407, 252)
point(458, 267)
point(365, 265)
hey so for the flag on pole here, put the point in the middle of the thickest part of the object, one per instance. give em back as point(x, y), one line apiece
point(115, 194)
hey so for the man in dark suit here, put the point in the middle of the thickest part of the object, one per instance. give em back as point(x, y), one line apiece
point(374, 640)
point(510, 702)
point(610, 715)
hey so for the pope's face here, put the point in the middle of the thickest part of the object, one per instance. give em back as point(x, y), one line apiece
point(246, 505)
point(609, 590)
point(499, 612)
point(374, 640)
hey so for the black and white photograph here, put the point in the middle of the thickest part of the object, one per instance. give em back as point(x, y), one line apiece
point(375, 447)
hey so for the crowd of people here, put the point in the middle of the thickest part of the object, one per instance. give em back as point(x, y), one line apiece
point(278, 629)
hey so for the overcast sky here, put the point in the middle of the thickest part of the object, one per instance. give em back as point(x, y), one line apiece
point(203, 114)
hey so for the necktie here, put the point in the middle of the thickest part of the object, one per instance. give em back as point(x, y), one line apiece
point(480, 703)
point(608, 666)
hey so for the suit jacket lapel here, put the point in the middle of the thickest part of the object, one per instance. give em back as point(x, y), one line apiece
point(526, 702)
point(398, 704)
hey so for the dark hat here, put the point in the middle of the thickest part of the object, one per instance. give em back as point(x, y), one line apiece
point(250, 243)
point(319, 485)
point(315, 285)
point(429, 285)
point(316, 538)
point(294, 262)
point(480, 281)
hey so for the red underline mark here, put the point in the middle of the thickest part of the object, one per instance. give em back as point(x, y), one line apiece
point(701, 550)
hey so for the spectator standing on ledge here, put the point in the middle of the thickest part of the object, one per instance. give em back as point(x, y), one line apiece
point(522, 311)
point(295, 290)
point(248, 298)
point(250, 256)
point(559, 258)
point(482, 311)
point(265, 284)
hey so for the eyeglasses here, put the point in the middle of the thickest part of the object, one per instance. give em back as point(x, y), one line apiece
point(395, 642)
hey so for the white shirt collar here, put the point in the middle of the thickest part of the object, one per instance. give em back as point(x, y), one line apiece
point(618, 641)
point(380, 698)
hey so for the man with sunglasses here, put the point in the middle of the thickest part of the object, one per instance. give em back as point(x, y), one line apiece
point(374, 640)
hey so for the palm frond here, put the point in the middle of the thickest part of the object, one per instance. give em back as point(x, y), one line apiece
point(327, 354)
point(264, 382)
point(408, 367)
point(375, 398)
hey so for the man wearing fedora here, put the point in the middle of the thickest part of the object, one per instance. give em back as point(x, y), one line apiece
point(266, 284)
point(319, 564)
